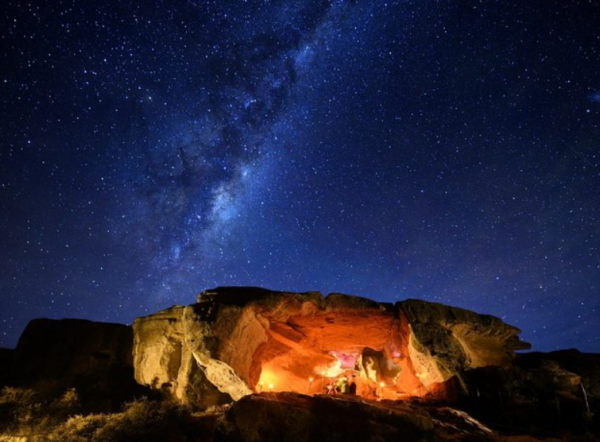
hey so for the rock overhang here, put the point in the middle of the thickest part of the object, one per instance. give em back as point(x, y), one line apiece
point(246, 339)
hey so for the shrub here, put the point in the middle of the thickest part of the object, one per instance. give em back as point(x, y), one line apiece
point(18, 408)
point(78, 428)
point(66, 405)
point(141, 420)
point(27, 413)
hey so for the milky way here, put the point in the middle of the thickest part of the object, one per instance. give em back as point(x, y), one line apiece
point(445, 151)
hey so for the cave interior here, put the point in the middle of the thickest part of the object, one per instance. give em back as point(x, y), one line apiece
point(342, 352)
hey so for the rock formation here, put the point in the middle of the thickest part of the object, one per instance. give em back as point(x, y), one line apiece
point(292, 417)
point(414, 370)
point(235, 341)
point(93, 357)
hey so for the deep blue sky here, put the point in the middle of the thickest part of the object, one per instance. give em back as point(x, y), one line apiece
point(442, 150)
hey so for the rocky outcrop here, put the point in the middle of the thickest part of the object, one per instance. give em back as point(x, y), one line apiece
point(552, 391)
point(167, 357)
point(94, 358)
point(293, 417)
point(446, 341)
point(569, 372)
point(260, 356)
point(236, 341)
point(274, 417)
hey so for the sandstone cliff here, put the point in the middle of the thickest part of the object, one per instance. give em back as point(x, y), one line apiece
point(235, 341)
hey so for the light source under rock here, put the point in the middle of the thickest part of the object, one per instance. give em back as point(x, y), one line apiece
point(241, 337)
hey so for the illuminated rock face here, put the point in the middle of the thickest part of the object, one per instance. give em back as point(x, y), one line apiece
point(240, 340)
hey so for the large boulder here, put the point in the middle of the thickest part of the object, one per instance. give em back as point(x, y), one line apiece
point(92, 357)
point(446, 341)
point(275, 417)
point(575, 373)
point(556, 391)
point(292, 417)
point(235, 341)
point(165, 360)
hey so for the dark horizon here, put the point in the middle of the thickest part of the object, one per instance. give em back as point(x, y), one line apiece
point(390, 150)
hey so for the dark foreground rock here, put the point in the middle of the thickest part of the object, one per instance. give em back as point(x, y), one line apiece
point(541, 393)
point(290, 417)
point(271, 417)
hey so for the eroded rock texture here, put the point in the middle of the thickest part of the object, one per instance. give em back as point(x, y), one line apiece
point(235, 341)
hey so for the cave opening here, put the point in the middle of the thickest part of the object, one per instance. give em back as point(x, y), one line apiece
point(341, 352)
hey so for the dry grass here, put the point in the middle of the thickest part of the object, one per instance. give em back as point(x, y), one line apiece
point(24, 413)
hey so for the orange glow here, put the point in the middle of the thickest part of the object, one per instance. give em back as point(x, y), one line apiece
point(311, 362)
point(332, 370)
point(267, 378)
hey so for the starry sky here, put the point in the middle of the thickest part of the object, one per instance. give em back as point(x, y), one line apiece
point(440, 150)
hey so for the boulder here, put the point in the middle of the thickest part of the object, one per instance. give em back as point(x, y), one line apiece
point(445, 341)
point(554, 391)
point(292, 417)
point(580, 371)
point(164, 347)
point(94, 358)
point(238, 340)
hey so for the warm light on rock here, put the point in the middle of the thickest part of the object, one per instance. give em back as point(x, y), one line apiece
point(234, 338)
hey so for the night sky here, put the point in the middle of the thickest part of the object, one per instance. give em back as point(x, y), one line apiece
point(442, 150)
